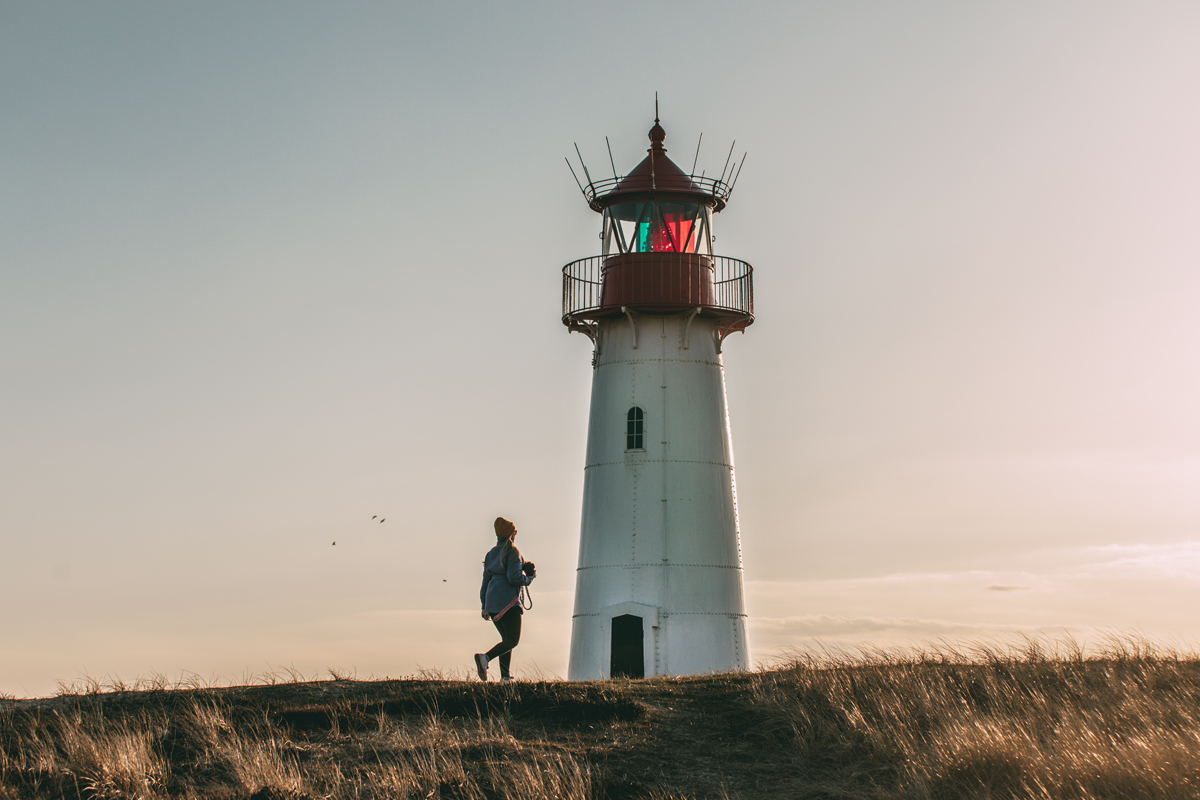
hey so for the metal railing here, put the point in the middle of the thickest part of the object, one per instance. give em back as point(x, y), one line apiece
point(733, 285)
point(595, 191)
point(732, 290)
point(583, 284)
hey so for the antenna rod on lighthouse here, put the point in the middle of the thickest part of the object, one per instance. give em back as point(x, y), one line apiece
point(610, 158)
point(697, 158)
point(585, 169)
point(739, 172)
point(727, 159)
point(576, 177)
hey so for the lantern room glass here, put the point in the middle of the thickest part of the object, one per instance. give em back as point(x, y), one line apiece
point(657, 226)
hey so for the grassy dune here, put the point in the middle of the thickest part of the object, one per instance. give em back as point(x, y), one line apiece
point(942, 723)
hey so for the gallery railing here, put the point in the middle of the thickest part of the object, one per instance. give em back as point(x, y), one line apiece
point(662, 282)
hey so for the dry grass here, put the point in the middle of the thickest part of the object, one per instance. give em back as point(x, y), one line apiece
point(1036, 722)
point(1042, 721)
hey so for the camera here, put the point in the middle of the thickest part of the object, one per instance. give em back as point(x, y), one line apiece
point(529, 569)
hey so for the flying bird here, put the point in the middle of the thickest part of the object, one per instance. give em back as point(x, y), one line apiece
point(335, 543)
point(374, 516)
point(383, 520)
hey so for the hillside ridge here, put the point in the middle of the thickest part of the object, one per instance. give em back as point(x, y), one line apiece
point(922, 724)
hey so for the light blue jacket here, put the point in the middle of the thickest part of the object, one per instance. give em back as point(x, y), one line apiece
point(501, 585)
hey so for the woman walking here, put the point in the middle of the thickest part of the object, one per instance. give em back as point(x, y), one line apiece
point(505, 574)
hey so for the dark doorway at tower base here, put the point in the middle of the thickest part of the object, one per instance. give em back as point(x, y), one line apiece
point(628, 654)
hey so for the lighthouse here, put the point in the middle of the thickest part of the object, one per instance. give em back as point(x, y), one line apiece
point(658, 589)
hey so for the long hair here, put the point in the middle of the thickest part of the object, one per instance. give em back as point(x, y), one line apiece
point(509, 549)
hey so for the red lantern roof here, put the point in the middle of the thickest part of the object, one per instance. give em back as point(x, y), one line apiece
point(657, 175)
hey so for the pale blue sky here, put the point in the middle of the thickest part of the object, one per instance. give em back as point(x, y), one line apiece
point(269, 270)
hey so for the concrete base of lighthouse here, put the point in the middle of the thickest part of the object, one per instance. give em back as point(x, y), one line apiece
point(660, 569)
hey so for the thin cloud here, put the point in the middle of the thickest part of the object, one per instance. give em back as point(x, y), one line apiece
point(828, 625)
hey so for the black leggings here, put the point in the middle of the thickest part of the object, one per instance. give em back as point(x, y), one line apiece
point(510, 633)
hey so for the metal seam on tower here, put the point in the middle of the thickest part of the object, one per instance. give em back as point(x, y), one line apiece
point(635, 361)
point(726, 614)
point(657, 460)
point(656, 565)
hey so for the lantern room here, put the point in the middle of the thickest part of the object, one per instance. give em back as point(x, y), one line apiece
point(657, 226)
point(657, 254)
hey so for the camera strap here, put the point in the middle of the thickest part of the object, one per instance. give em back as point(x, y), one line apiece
point(504, 610)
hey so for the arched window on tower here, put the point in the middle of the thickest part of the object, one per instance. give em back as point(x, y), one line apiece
point(634, 439)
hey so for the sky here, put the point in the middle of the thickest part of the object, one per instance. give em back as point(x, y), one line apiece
point(269, 270)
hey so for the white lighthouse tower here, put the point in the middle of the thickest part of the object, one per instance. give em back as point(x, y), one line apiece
point(659, 585)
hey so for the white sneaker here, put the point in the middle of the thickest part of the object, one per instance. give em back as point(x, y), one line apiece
point(506, 679)
point(481, 662)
